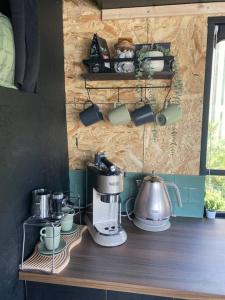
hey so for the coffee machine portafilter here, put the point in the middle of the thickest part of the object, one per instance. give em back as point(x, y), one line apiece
point(103, 206)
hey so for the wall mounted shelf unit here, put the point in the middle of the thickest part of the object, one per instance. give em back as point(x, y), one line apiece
point(167, 73)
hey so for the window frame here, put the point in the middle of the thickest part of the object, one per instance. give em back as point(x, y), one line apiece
point(212, 22)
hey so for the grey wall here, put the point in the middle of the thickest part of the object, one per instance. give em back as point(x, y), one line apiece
point(33, 145)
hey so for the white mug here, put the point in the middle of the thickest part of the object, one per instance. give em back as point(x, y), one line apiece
point(49, 242)
point(67, 220)
point(48, 231)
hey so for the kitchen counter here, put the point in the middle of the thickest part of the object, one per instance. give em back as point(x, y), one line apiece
point(187, 261)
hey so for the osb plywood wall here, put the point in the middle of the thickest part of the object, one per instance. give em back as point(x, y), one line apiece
point(144, 148)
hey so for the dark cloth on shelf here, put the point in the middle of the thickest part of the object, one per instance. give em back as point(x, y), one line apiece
point(24, 16)
point(4, 8)
point(7, 53)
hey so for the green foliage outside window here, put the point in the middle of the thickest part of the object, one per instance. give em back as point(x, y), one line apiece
point(215, 185)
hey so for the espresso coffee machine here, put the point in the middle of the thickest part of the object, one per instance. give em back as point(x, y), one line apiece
point(103, 207)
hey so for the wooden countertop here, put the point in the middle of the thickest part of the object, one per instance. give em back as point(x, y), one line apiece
point(187, 261)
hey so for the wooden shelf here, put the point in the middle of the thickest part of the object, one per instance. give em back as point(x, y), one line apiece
point(132, 12)
point(125, 76)
point(106, 4)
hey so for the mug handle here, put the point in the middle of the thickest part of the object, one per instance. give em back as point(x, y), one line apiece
point(138, 103)
point(42, 232)
point(86, 102)
point(42, 239)
point(117, 104)
point(148, 101)
point(165, 104)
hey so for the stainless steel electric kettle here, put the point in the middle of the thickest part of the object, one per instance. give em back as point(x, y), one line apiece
point(153, 206)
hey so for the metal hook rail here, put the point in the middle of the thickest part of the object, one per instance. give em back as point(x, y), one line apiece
point(88, 87)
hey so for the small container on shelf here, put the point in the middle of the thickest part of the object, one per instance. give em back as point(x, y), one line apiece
point(153, 58)
point(125, 48)
point(99, 51)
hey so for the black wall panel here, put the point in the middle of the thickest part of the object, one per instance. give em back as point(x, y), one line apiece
point(37, 291)
point(33, 145)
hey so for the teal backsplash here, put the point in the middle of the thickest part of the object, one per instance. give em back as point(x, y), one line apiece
point(191, 188)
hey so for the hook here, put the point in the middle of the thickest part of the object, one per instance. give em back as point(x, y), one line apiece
point(118, 95)
point(141, 94)
point(76, 142)
point(74, 102)
point(167, 95)
point(88, 92)
point(145, 94)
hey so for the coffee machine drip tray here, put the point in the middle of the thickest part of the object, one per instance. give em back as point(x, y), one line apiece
point(109, 238)
point(107, 228)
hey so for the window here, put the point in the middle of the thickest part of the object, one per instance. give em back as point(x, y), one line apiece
point(212, 160)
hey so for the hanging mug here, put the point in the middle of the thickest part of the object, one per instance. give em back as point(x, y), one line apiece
point(120, 115)
point(170, 114)
point(91, 114)
point(143, 114)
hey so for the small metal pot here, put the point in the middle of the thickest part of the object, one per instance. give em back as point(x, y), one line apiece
point(41, 203)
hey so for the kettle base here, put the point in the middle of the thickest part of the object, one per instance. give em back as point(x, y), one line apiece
point(150, 225)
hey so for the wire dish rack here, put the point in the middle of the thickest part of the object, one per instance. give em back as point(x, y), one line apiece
point(56, 262)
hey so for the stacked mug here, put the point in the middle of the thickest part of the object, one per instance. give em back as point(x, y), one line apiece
point(53, 208)
point(50, 235)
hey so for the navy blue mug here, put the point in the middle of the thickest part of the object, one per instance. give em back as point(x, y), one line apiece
point(91, 114)
point(143, 115)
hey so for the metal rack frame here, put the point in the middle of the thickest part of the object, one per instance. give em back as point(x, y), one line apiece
point(145, 87)
point(37, 222)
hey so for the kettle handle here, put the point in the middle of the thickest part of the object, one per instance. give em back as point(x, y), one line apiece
point(177, 192)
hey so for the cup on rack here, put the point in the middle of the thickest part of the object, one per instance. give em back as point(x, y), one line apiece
point(169, 115)
point(46, 236)
point(91, 114)
point(57, 201)
point(67, 220)
point(143, 114)
point(120, 115)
